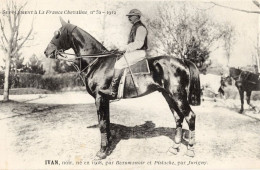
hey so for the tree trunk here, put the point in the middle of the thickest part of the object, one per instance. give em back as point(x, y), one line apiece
point(258, 48)
point(7, 73)
point(258, 64)
point(15, 66)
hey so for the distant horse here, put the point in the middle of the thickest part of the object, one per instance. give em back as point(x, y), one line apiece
point(213, 83)
point(178, 81)
point(245, 82)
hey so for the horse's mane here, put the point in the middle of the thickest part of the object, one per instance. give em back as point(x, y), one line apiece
point(86, 35)
point(236, 69)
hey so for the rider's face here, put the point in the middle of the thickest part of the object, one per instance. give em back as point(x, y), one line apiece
point(133, 18)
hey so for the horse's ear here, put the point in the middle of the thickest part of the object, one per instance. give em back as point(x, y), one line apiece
point(62, 21)
point(69, 21)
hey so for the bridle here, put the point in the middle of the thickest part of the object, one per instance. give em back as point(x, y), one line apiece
point(61, 55)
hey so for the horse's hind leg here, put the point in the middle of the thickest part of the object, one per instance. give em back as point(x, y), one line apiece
point(248, 95)
point(179, 120)
point(183, 110)
point(190, 118)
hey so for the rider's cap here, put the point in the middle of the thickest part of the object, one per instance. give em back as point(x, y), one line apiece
point(134, 12)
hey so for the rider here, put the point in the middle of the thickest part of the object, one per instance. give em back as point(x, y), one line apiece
point(135, 51)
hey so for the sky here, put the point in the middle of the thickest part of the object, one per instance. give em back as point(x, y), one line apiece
point(117, 27)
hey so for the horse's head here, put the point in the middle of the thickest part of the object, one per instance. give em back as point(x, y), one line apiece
point(234, 72)
point(61, 40)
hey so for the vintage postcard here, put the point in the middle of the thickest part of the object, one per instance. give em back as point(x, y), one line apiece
point(144, 84)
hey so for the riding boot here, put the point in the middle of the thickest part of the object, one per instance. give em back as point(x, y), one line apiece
point(112, 91)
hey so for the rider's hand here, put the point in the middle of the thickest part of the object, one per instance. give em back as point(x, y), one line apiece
point(122, 52)
point(117, 51)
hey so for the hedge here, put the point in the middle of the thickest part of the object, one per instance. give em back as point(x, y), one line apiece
point(67, 81)
point(55, 82)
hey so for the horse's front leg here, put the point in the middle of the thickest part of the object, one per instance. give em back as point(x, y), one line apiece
point(102, 105)
point(248, 95)
point(241, 93)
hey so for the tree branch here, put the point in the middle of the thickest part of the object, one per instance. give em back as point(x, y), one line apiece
point(3, 31)
point(25, 39)
point(236, 9)
point(256, 3)
point(3, 47)
point(32, 45)
point(9, 16)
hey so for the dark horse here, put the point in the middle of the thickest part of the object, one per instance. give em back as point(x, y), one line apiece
point(178, 81)
point(245, 81)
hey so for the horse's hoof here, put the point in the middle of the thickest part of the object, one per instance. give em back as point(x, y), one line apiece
point(174, 150)
point(190, 153)
point(240, 111)
point(100, 155)
point(256, 111)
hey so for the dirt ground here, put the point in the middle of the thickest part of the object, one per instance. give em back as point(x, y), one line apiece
point(36, 130)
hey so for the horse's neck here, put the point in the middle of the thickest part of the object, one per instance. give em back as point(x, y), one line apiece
point(84, 44)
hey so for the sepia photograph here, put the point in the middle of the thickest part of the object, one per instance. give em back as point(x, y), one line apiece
point(140, 84)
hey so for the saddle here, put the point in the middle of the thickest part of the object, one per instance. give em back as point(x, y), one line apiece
point(140, 68)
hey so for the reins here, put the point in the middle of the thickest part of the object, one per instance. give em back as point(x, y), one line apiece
point(77, 68)
point(99, 55)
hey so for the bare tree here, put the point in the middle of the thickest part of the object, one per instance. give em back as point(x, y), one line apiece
point(228, 38)
point(11, 40)
point(256, 3)
point(185, 33)
point(257, 57)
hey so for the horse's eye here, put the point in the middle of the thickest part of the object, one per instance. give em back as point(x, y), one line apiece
point(56, 34)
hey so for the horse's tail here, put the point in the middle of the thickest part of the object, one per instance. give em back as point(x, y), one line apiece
point(194, 85)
